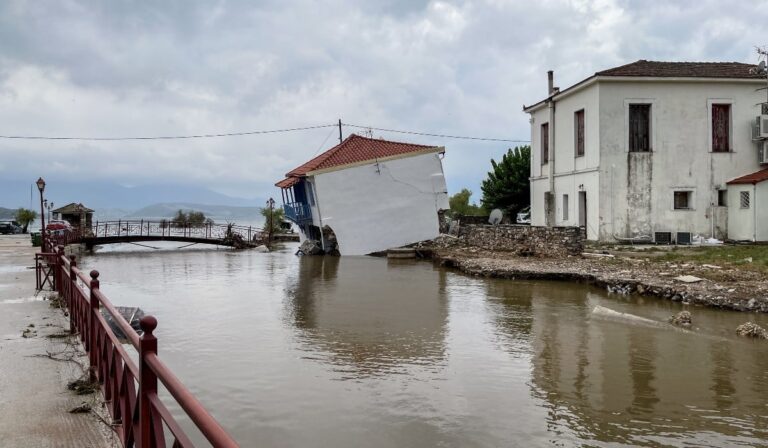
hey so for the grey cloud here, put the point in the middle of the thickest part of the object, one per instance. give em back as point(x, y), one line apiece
point(182, 67)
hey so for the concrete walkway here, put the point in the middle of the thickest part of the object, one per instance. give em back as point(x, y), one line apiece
point(34, 400)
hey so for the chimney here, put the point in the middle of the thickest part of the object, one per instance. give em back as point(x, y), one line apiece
point(551, 82)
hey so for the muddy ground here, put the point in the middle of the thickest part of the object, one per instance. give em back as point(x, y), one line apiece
point(726, 286)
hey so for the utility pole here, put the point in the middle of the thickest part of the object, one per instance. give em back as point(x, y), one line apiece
point(341, 138)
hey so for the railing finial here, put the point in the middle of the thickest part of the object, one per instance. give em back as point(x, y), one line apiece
point(94, 274)
point(148, 325)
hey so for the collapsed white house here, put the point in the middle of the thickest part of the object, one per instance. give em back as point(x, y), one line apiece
point(370, 194)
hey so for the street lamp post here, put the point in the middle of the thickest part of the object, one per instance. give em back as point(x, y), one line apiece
point(271, 204)
point(41, 186)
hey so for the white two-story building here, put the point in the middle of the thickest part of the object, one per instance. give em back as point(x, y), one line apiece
point(372, 194)
point(646, 151)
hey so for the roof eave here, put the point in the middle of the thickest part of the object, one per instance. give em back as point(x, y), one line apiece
point(611, 78)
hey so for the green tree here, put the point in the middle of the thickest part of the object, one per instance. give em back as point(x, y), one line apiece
point(507, 186)
point(459, 203)
point(196, 219)
point(180, 219)
point(25, 217)
point(277, 217)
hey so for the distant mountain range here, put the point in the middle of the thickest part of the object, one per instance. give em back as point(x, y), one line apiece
point(217, 212)
point(105, 195)
point(7, 213)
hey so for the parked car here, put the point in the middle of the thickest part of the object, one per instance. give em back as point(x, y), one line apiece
point(58, 225)
point(524, 216)
point(9, 228)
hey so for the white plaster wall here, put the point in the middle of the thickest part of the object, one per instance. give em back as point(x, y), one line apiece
point(538, 188)
point(571, 185)
point(570, 171)
point(681, 158)
point(741, 221)
point(761, 210)
point(372, 210)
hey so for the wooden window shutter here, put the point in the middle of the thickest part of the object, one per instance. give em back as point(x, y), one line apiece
point(721, 124)
point(639, 127)
point(579, 122)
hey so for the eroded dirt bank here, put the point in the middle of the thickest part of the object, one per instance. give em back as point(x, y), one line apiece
point(725, 287)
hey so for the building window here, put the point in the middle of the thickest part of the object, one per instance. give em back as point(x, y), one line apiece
point(639, 128)
point(311, 194)
point(544, 143)
point(682, 200)
point(565, 207)
point(722, 198)
point(721, 128)
point(744, 199)
point(578, 131)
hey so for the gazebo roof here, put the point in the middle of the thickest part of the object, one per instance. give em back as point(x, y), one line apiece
point(73, 207)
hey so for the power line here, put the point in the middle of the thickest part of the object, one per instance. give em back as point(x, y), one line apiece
point(437, 135)
point(272, 131)
point(167, 137)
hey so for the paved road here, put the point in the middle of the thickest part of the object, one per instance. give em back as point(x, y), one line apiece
point(34, 400)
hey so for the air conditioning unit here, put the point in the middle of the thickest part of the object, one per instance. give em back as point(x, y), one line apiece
point(762, 126)
point(762, 153)
point(662, 237)
point(683, 238)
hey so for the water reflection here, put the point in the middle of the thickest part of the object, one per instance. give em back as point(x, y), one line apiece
point(620, 381)
point(366, 320)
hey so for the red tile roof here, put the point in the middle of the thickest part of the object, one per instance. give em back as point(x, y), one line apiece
point(659, 69)
point(753, 178)
point(354, 149)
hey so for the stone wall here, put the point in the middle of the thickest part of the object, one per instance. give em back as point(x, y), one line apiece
point(525, 240)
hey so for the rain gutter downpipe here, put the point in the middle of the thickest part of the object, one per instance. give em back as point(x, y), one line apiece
point(551, 153)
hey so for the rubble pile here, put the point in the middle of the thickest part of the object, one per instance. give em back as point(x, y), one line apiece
point(751, 330)
point(681, 319)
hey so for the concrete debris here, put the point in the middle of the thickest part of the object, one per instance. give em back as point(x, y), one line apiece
point(594, 255)
point(310, 247)
point(710, 266)
point(688, 278)
point(681, 319)
point(751, 330)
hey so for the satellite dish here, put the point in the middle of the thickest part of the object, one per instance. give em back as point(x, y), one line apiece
point(496, 217)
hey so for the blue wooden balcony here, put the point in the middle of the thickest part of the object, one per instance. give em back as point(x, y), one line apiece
point(298, 212)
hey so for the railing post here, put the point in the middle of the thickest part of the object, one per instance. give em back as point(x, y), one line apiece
point(58, 266)
point(119, 226)
point(106, 224)
point(141, 228)
point(147, 380)
point(70, 296)
point(93, 355)
point(249, 234)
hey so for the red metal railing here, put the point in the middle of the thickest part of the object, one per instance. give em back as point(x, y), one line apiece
point(130, 390)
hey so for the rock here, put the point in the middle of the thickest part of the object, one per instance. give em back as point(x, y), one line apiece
point(751, 330)
point(687, 279)
point(261, 248)
point(681, 319)
point(311, 247)
point(751, 304)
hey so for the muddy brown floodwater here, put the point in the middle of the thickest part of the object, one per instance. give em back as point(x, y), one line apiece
point(293, 351)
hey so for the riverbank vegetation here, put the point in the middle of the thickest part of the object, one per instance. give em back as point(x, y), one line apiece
point(507, 186)
point(459, 204)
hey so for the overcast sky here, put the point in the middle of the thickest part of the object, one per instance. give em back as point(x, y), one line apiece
point(137, 68)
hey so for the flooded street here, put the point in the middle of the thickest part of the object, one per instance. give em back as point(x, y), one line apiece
point(292, 351)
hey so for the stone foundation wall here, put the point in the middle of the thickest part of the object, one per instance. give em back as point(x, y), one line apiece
point(525, 240)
